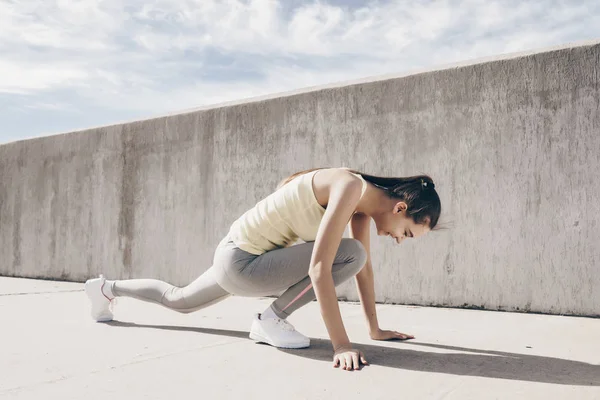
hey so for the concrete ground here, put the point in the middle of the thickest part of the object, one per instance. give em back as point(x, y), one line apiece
point(51, 349)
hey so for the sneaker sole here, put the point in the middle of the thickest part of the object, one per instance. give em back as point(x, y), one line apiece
point(103, 319)
point(261, 339)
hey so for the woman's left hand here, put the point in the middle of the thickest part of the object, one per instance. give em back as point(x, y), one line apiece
point(381, 334)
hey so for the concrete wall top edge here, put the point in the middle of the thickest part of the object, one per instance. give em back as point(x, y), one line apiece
point(333, 85)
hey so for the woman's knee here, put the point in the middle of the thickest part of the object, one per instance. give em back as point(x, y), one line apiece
point(173, 298)
point(355, 251)
point(201, 293)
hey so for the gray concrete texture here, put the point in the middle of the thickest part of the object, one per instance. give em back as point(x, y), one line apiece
point(51, 349)
point(513, 145)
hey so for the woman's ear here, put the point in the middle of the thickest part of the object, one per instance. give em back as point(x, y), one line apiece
point(400, 207)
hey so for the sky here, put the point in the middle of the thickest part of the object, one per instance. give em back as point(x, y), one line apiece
point(71, 65)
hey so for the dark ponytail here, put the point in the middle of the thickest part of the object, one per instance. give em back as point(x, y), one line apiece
point(418, 192)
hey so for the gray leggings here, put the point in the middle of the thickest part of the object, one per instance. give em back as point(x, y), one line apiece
point(237, 272)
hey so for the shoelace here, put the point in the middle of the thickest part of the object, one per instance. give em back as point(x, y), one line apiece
point(285, 325)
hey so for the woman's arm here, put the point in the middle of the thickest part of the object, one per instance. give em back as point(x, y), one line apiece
point(343, 198)
point(344, 195)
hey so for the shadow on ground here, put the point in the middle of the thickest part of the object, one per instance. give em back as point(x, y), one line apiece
point(470, 362)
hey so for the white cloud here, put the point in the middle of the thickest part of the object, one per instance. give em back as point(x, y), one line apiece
point(163, 55)
point(26, 77)
point(48, 106)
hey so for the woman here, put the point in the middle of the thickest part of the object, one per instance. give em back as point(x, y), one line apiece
point(256, 258)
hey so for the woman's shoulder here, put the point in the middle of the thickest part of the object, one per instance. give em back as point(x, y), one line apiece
point(324, 179)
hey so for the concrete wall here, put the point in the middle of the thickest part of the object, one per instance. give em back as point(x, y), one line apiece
point(513, 145)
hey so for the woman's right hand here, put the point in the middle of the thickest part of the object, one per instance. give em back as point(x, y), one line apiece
point(349, 358)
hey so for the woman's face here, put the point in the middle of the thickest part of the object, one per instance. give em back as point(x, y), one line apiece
point(398, 225)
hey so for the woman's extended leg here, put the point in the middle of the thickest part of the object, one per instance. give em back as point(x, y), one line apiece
point(202, 292)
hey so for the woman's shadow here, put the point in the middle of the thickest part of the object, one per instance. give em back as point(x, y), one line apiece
point(471, 362)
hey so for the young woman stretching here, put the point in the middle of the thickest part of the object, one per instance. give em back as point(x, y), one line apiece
point(257, 257)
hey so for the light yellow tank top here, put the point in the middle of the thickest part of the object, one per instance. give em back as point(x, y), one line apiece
point(290, 213)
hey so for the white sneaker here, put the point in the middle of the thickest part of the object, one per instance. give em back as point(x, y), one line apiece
point(277, 332)
point(101, 305)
